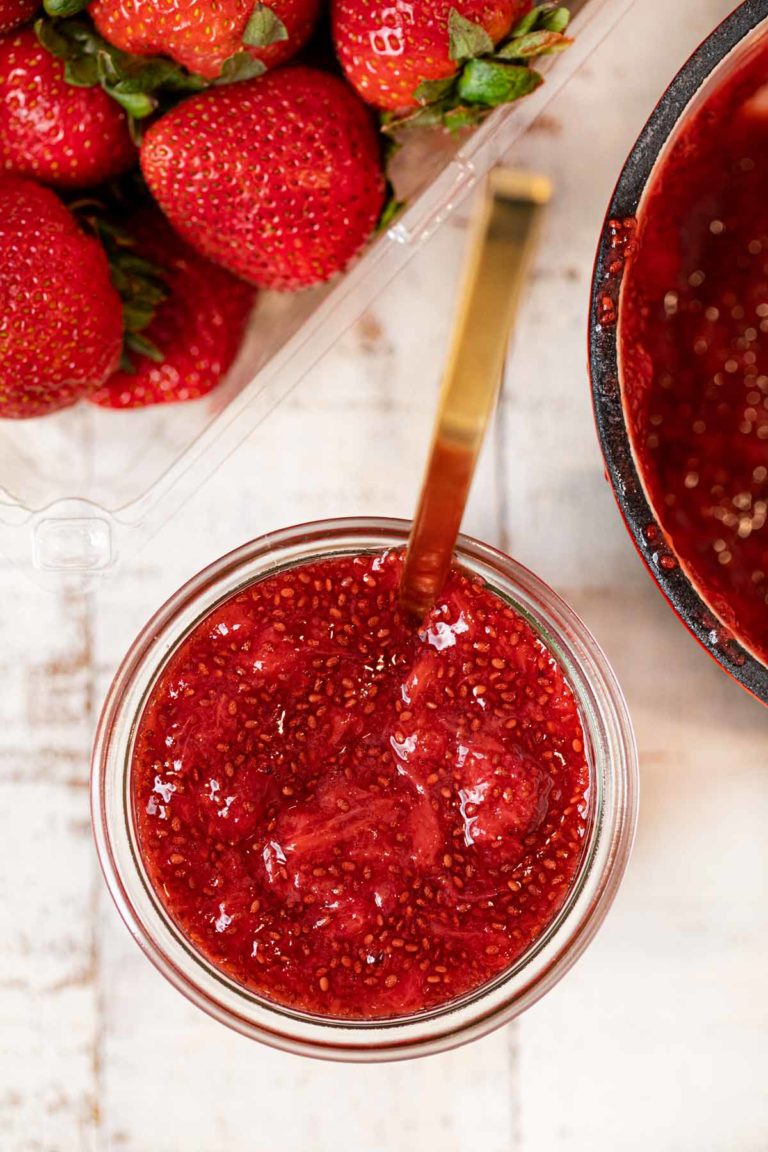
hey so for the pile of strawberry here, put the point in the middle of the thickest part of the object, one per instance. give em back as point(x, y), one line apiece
point(160, 160)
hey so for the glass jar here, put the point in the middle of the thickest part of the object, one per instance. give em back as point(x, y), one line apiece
point(613, 799)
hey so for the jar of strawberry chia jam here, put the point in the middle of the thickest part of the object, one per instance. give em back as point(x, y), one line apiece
point(348, 836)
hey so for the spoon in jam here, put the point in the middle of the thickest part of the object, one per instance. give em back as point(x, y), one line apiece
point(503, 234)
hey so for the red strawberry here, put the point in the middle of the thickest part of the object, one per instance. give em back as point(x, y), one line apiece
point(444, 63)
point(278, 179)
point(61, 134)
point(388, 49)
point(203, 34)
point(61, 323)
point(197, 329)
point(16, 12)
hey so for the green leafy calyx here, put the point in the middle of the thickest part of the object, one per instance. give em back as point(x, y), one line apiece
point(140, 284)
point(488, 74)
point(490, 83)
point(61, 8)
point(264, 28)
point(465, 38)
point(141, 85)
point(138, 83)
point(241, 66)
point(392, 208)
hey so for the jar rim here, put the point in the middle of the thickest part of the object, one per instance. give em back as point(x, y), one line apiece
point(613, 772)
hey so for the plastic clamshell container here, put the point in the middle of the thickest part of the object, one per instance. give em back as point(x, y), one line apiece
point(85, 487)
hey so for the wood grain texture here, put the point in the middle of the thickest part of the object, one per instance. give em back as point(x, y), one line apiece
point(49, 1020)
point(659, 1037)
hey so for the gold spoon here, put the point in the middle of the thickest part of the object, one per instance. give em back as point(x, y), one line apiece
point(503, 234)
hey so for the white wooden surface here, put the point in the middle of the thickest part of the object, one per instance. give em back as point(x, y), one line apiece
point(658, 1040)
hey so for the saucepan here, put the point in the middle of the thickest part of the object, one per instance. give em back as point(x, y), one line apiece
point(706, 616)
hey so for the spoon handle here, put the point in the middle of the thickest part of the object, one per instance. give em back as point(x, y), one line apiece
point(503, 235)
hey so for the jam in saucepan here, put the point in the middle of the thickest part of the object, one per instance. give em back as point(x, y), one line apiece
point(352, 817)
point(693, 332)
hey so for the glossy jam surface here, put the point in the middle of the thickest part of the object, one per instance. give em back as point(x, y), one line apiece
point(352, 818)
point(693, 331)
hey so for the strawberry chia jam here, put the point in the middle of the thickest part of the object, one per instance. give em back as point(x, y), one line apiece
point(351, 817)
point(693, 333)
